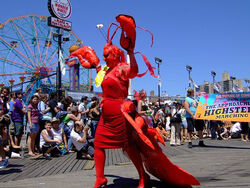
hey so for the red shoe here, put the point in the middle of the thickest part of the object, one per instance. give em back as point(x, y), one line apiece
point(144, 181)
point(101, 182)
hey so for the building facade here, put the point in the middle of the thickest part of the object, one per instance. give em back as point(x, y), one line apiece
point(228, 84)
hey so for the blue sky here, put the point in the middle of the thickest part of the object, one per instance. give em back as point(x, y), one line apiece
point(206, 34)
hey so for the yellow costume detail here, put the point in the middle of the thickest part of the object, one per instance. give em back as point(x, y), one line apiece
point(100, 75)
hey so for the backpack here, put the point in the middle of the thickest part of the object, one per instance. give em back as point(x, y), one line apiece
point(61, 115)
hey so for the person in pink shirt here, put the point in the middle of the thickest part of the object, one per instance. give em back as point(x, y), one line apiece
point(32, 123)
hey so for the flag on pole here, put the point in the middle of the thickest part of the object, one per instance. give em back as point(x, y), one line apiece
point(217, 87)
point(192, 82)
point(62, 63)
point(236, 88)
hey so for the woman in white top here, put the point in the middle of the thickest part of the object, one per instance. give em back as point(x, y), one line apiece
point(175, 125)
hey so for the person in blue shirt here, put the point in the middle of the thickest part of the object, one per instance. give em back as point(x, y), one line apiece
point(190, 106)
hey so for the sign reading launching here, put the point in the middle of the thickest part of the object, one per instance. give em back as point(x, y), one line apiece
point(224, 107)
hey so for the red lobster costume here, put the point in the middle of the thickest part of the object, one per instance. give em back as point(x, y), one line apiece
point(116, 129)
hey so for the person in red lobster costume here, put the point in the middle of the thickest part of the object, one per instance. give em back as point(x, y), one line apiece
point(114, 130)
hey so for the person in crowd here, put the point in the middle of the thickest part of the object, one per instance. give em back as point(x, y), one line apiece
point(68, 122)
point(53, 104)
point(17, 116)
point(207, 130)
point(4, 161)
point(4, 98)
point(244, 132)
point(235, 131)
point(143, 108)
point(213, 128)
point(190, 106)
point(79, 137)
point(162, 131)
point(84, 109)
point(93, 100)
point(184, 132)
point(47, 141)
point(4, 124)
point(9, 148)
point(58, 132)
point(160, 115)
point(44, 109)
point(94, 117)
point(45, 114)
point(66, 103)
point(32, 124)
point(222, 132)
point(10, 106)
point(155, 109)
point(167, 109)
point(175, 123)
point(38, 92)
point(11, 102)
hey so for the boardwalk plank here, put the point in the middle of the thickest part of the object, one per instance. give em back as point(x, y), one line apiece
point(29, 166)
point(71, 166)
point(65, 163)
point(82, 164)
point(54, 162)
point(107, 156)
point(116, 156)
point(78, 163)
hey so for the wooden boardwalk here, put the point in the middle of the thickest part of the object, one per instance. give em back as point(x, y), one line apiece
point(30, 168)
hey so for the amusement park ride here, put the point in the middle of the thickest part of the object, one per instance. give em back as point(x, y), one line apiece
point(28, 56)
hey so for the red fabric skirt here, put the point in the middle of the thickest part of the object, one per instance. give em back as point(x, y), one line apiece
point(112, 128)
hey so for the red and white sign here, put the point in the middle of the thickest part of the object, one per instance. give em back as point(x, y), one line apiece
point(60, 8)
point(56, 22)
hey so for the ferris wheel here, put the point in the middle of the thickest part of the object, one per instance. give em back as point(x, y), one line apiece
point(29, 55)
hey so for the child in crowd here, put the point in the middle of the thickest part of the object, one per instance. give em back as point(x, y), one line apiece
point(32, 124)
point(47, 141)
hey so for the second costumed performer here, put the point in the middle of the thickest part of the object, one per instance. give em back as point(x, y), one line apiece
point(113, 130)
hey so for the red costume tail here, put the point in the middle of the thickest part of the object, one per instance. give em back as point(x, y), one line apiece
point(155, 161)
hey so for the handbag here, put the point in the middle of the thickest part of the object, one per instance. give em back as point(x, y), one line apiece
point(176, 118)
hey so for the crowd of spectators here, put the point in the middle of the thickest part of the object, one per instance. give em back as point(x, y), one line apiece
point(50, 127)
point(54, 127)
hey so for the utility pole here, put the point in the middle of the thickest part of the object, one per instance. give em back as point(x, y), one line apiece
point(213, 75)
point(189, 69)
point(158, 61)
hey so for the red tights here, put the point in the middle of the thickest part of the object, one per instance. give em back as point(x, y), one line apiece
point(135, 157)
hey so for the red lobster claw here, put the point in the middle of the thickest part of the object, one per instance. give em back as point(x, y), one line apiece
point(86, 56)
point(128, 27)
